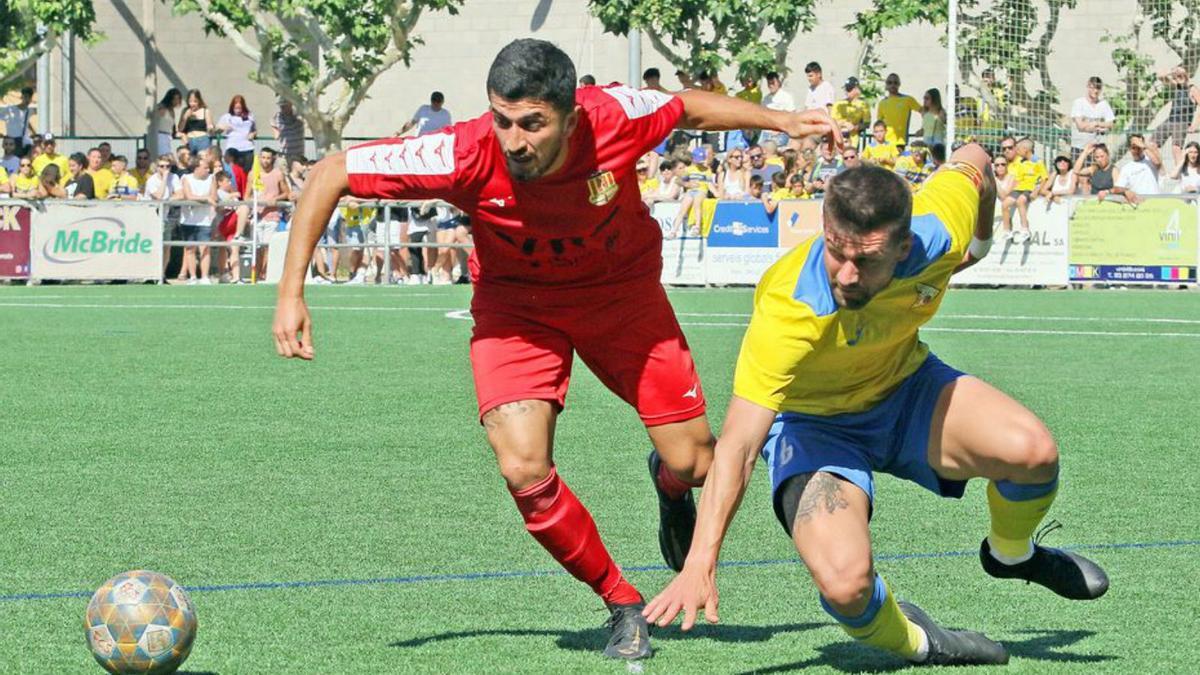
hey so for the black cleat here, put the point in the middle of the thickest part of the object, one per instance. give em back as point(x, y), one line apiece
point(630, 633)
point(1068, 574)
point(676, 520)
point(954, 647)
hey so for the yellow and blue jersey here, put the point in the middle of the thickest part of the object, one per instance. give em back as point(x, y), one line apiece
point(803, 353)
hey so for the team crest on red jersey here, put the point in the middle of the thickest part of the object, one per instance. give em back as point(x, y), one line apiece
point(602, 187)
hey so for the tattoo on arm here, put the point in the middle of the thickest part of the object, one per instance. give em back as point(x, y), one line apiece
point(822, 493)
point(498, 416)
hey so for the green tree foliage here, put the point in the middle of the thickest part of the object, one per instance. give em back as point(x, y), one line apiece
point(322, 55)
point(30, 28)
point(697, 35)
point(1141, 92)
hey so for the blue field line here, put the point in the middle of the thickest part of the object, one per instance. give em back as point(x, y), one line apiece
point(524, 574)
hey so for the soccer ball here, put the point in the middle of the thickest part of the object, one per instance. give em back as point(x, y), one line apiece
point(140, 622)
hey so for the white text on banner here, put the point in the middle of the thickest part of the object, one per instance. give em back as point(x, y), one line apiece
point(1042, 260)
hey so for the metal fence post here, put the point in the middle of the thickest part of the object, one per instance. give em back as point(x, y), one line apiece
point(387, 244)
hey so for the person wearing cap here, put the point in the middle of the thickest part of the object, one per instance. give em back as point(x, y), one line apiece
point(49, 156)
point(852, 113)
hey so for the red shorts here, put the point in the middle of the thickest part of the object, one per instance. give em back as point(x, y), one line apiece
point(227, 227)
point(523, 345)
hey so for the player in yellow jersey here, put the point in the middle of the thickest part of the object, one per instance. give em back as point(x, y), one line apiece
point(833, 384)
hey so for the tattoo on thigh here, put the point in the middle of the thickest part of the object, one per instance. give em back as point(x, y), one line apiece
point(496, 417)
point(822, 493)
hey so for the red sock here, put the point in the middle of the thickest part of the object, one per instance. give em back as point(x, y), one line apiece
point(674, 486)
point(560, 523)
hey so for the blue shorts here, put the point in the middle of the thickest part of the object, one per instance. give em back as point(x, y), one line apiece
point(892, 437)
point(354, 235)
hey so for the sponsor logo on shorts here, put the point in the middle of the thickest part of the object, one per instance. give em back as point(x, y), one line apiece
point(694, 392)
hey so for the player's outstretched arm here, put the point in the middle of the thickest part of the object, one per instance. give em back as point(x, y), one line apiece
point(707, 111)
point(973, 155)
point(326, 184)
point(746, 427)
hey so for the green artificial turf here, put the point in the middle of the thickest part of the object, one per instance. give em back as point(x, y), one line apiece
point(154, 427)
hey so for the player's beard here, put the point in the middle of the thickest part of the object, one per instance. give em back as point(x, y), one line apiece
point(534, 165)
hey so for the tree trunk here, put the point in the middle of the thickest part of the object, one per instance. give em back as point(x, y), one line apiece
point(326, 135)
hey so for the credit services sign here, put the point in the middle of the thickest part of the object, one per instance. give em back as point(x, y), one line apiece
point(102, 242)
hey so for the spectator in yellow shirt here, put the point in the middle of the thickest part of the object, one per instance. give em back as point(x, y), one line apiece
point(141, 170)
point(915, 166)
point(879, 151)
point(852, 113)
point(750, 90)
point(712, 82)
point(102, 178)
point(48, 156)
point(895, 110)
point(779, 192)
point(1028, 176)
point(124, 186)
point(25, 181)
point(5, 183)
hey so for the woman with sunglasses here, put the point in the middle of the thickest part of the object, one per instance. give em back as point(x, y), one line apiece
point(25, 181)
point(1063, 183)
point(733, 179)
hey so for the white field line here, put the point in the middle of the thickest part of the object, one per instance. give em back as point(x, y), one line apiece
point(464, 314)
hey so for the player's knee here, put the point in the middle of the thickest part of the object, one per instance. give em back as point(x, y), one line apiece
point(690, 459)
point(1037, 453)
point(521, 472)
point(845, 584)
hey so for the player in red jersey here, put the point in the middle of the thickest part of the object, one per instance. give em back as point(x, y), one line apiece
point(567, 260)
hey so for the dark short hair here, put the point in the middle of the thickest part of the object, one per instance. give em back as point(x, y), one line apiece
point(437, 97)
point(272, 151)
point(533, 69)
point(772, 75)
point(1096, 81)
point(104, 143)
point(79, 158)
point(1136, 135)
point(27, 91)
point(667, 164)
point(588, 80)
point(812, 67)
point(866, 199)
point(879, 123)
point(221, 175)
point(95, 149)
point(756, 179)
point(651, 72)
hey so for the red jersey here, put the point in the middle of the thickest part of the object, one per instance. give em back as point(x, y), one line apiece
point(584, 225)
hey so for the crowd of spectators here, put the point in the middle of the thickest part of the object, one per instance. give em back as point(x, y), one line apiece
point(237, 187)
point(189, 156)
point(768, 167)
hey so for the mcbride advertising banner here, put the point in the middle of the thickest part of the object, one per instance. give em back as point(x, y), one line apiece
point(1040, 261)
point(101, 242)
point(1153, 243)
point(683, 257)
point(14, 242)
point(742, 243)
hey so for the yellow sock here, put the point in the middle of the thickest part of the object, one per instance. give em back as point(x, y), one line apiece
point(888, 629)
point(1016, 511)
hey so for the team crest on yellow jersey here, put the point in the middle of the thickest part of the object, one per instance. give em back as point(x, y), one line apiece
point(602, 187)
point(925, 295)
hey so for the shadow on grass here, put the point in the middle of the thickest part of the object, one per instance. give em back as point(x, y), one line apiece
point(849, 657)
point(594, 639)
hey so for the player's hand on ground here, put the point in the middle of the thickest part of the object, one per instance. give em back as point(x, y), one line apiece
point(293, 329)
point(689, 592)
